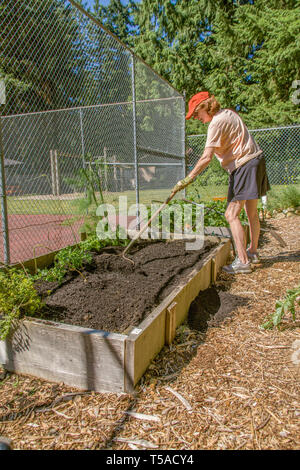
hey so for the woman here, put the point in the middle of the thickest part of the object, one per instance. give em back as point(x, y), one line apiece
point(229, 139)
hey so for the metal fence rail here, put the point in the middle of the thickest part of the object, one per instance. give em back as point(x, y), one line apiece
point(281, 147)
point(77, 100)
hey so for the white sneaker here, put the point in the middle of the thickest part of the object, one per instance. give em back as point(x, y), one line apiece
point(253, 257)
point(237, 267)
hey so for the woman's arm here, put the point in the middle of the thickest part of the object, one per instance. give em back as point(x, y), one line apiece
point(203, 162)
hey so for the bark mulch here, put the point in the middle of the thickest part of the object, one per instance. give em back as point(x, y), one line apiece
point(224, 383)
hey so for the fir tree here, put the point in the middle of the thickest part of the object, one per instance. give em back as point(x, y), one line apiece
point(244, 52)
point(117, 18)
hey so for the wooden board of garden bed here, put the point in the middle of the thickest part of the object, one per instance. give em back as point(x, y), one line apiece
point(98, 360)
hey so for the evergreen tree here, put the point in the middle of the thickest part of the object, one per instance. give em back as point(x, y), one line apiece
point(117, 18)
point(244, 52)
point(39, 59)
point(256, 58)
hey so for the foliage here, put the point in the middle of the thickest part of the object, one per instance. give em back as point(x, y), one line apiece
point(89, 179)
point(284, 307)
point(283, 199)
point(213, 210)
point(213, 175)
point(213, 214)
point(33, 73)
point(17, 296)
point(246, 53)
point(75, 258)
point(68, 259)
point(117, 18)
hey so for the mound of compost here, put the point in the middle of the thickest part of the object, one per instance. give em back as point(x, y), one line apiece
point(112, 294)
point(211, 307)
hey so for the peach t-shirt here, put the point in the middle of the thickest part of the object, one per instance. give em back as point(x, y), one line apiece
point(233, 144)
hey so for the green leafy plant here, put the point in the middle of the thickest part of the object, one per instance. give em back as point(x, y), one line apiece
point(17, 297)
point(68, 259)
point(283, 307)
point(89, 180)
point(213, 214)
point(213, 175)
point(74, 258)
point(283, 198)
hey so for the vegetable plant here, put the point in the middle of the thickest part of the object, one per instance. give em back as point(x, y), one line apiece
point(284, 307)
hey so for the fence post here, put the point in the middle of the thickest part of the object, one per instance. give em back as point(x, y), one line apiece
point(83, 152)
point(4, 216)
point(184, 162)
point(183, 135)
point(136, 164)
point(52, 172)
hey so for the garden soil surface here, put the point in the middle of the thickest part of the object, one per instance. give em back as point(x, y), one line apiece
point(224, 382)
point(112, 294)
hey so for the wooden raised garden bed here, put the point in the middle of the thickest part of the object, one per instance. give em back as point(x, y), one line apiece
point(99, 360)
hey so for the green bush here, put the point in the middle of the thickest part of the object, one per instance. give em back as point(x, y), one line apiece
point(17, 297)
point(68, 259)
point(283, 198)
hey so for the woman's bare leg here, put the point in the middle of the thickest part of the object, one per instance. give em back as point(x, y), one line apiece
point(254, 224)
point(232, 216)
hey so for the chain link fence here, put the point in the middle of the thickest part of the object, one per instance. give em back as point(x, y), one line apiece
point(83, 117)
point(280, 145)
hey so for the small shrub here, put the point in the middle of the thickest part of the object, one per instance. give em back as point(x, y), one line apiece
point(284, 198)
point(214, 214)
point(17, 297)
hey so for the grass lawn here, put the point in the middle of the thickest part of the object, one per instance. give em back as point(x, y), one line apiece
point(71, 206)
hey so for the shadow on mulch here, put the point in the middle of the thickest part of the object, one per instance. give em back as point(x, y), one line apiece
point(283, 257)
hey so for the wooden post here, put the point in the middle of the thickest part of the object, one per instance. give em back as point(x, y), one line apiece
point(105, 168)
point(171, 322)
point(52, 173)
point(115, 172)
point(121, 178)
point(56, 169)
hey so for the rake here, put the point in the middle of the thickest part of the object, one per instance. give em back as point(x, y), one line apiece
point(138, 235)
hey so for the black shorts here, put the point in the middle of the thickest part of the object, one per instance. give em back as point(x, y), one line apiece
point(249, 181)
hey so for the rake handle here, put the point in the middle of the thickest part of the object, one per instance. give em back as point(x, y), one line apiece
point(148, 223)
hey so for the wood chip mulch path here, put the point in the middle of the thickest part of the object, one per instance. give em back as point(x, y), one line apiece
point(234, 386)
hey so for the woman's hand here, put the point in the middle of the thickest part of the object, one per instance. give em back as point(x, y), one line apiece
point(182, 184)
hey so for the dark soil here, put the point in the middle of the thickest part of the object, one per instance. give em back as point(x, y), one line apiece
point(112, 294)
point(211, 307)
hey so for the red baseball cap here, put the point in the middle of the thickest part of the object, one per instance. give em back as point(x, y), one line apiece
point(195, 100)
